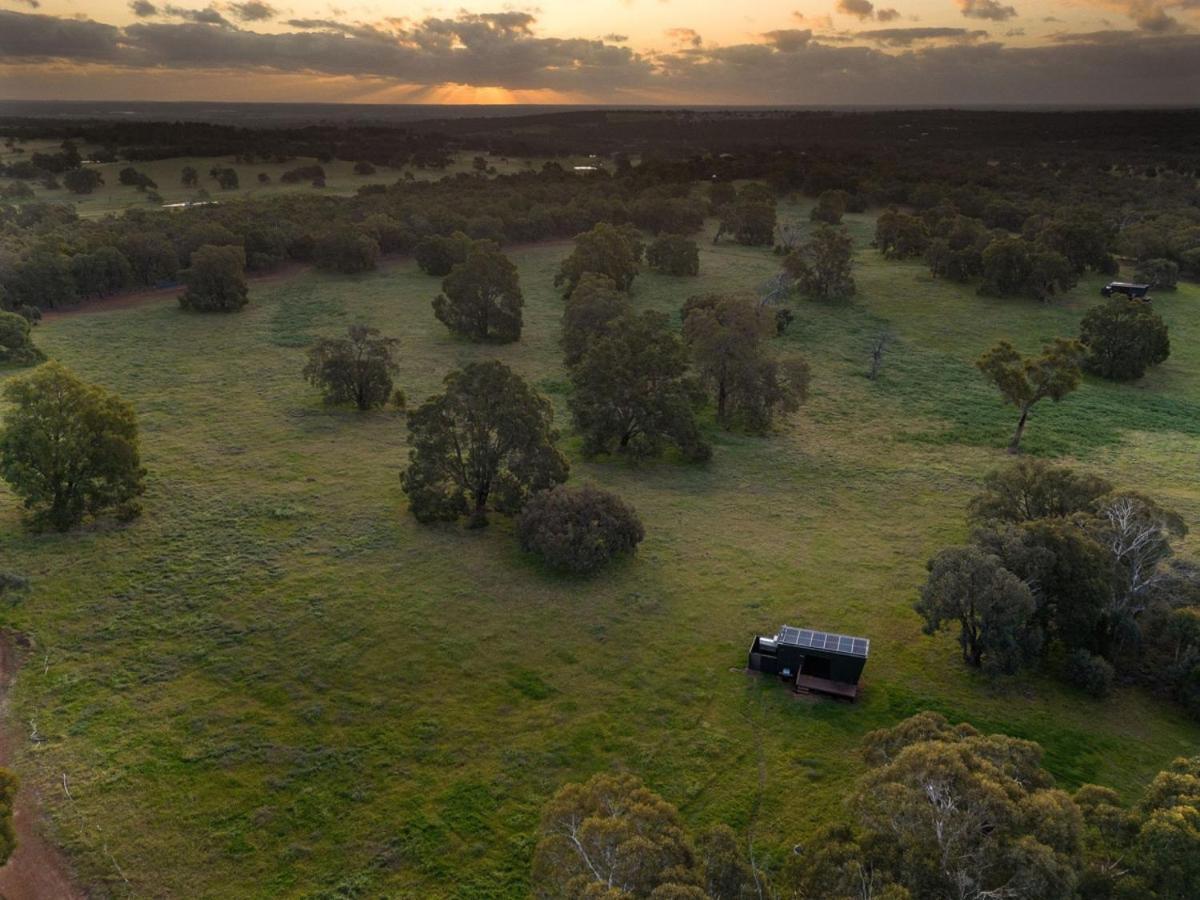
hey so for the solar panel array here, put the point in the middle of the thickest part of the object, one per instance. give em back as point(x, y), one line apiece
point(823, 640)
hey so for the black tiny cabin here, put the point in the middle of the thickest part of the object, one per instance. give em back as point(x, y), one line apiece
point(815, 661)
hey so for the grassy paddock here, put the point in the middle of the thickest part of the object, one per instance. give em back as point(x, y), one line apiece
point(277, 683)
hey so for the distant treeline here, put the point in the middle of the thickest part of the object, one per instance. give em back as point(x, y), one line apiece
point(1045, 205)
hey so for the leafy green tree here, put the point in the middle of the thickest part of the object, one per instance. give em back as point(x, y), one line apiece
point(992, 607)
point(580, 529)
point(729, 339)
point(481, 297)
point(1026, 381)
point(151, 256)
point(486, 442)
point(750, 219)
point(1167, 850)
point(956, 248)
point(69, 449)
point(355, 369)
point(216, 280)
point(610, 837)
point(16, 341)
point(830, 207)
point(1123, 338)
point(611, 250)
point(900, 236)
point(101, 272)
point(822, 265)
point(673, 254)
point(590, 309)
point(347, 251)
point(1050, 273)
point(632, 393)
point(1006, 267)
point(951, 813)
point(437, 254)
point(82, 181)
point(1031, 489)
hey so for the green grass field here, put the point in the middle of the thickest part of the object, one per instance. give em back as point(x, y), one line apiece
point(276, 683)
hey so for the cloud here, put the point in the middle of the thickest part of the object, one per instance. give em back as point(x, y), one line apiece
point(684, 36)
point(862, 9)
point(253, 11)
point(1155, 20)
point(890, 66)
point(1015, 32)
point(986, 9)
point(32, 4)
point(788, 40)
point(143, 8)
point(616, 38)
point(906, 37)
point(887, 15)
point(209, 16)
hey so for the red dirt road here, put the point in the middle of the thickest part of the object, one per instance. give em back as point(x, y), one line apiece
point(37, 870)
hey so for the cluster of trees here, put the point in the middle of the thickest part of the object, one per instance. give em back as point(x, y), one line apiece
point(1037, 256)
point(1064, 570)
point(50, 257)
point(942, 812)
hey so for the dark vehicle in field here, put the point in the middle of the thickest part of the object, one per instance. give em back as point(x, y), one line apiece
point(1128, 288)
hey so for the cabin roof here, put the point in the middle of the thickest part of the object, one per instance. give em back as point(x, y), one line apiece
point(842, 644)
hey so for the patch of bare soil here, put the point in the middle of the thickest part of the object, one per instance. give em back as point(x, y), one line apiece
point(37, 870)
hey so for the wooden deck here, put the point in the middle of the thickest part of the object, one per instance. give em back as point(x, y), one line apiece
point(809, 684)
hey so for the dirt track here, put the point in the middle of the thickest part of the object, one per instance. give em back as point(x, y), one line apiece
point(37, 870)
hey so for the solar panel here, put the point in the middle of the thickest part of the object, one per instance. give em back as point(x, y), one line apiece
point(824, 640)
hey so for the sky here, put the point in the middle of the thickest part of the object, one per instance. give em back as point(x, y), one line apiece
point(684, 52)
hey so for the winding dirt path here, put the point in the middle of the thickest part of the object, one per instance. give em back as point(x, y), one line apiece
point(37, 870)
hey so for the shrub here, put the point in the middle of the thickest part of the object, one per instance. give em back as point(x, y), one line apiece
point(1093, 674)
point(578, 529)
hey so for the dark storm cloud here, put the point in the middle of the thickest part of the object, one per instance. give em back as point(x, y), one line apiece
point(986, 9)
point(905, 37)
point(951, 66)
point(887, 15)
point(35, 37)
point(143, 8)
point(253, 11)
